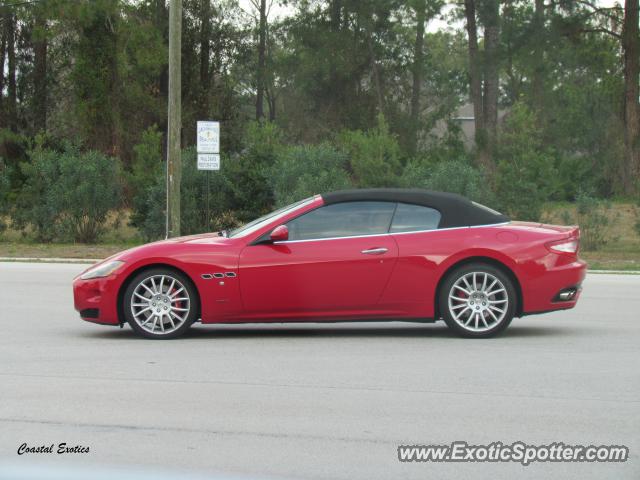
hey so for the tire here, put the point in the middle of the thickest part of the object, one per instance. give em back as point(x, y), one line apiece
point(477, 300)
point(166, 314)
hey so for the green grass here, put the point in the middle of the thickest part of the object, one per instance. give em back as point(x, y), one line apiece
point(60, 250)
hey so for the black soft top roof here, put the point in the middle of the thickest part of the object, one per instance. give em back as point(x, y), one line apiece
point(456, 210)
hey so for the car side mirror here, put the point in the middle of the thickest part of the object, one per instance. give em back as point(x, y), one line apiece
point(280, 234)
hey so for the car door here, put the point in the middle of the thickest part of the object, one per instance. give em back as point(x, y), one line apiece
point(415, 277)
point(336, 262)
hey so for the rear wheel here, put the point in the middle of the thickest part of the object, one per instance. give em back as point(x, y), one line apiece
point(160, 303)
point(477, 300)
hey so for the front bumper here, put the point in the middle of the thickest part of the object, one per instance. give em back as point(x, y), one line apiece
point(97, 299)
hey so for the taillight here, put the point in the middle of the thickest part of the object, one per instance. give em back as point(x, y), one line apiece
point(567, 245)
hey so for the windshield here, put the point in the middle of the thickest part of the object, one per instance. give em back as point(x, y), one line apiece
point(258, 223)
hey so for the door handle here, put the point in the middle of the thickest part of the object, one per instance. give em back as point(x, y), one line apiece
point(374, 251)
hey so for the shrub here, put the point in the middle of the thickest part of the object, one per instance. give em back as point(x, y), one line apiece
point(636, 211)
point(147, 162)
point(150, 209)
point(146, 168)
point(89, 188)
point(36, 205)
point(455, 176)
point(574, 172)
point(4, 185)
point(306, 170)
point(14, 147)
point(526, 174)
point(374, 156)
point(225, 221)
point(566, 217)
point(198, 212)
point(4, 191)
point(68, 193)
point(594, 218)
point(251, 195)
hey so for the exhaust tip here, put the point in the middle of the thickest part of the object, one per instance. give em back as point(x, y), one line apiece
point(566, 294)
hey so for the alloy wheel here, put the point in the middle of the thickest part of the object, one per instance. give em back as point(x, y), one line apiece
point(160, 304)
point(478, 301)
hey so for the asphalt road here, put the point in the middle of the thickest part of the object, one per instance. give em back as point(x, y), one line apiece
point(316, 401)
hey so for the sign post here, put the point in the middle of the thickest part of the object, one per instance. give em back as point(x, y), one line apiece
point(208, 161)
point(208, 148)
point(208, 145)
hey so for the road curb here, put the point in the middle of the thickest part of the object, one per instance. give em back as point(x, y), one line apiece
point(616, 272)
point(49, 260)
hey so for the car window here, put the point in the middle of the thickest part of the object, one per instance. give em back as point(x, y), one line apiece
point(342, 220)
point(411, 218)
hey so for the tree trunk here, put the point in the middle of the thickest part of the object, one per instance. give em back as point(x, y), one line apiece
point(631, 111)
point(3, 52)
point(12, 109)
point(512, 74)
point(337, 87)
point(161, 22)
point(336, 8)
point(205, 39)
point(475, 79)
point(40, 73)
point(377, 81)
point(115, 87)
point(417, 76)
point(537, 83)
point(271, 103)
point(262, 45)
point(491, 81)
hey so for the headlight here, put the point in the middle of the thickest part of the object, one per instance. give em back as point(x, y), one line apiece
point(102, 270)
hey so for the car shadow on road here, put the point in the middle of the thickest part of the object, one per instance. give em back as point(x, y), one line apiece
point(390, 330)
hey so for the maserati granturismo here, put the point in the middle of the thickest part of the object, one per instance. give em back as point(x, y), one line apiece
point(352, 255)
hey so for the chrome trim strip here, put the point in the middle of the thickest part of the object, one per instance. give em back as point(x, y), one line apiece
point(391, 233)
point(331, 238)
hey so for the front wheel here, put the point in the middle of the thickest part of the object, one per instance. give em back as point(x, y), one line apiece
point(160, 303)
point(477, 300)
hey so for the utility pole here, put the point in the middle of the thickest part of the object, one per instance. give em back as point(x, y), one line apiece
point(174, 124)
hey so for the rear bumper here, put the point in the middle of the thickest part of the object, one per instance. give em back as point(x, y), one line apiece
point(542, 293)
point(96, 300)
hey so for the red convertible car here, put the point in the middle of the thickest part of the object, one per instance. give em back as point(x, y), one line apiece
point(383, 254)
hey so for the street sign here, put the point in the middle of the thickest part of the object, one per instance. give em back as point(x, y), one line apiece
point(208, 137)
point(208, 161)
